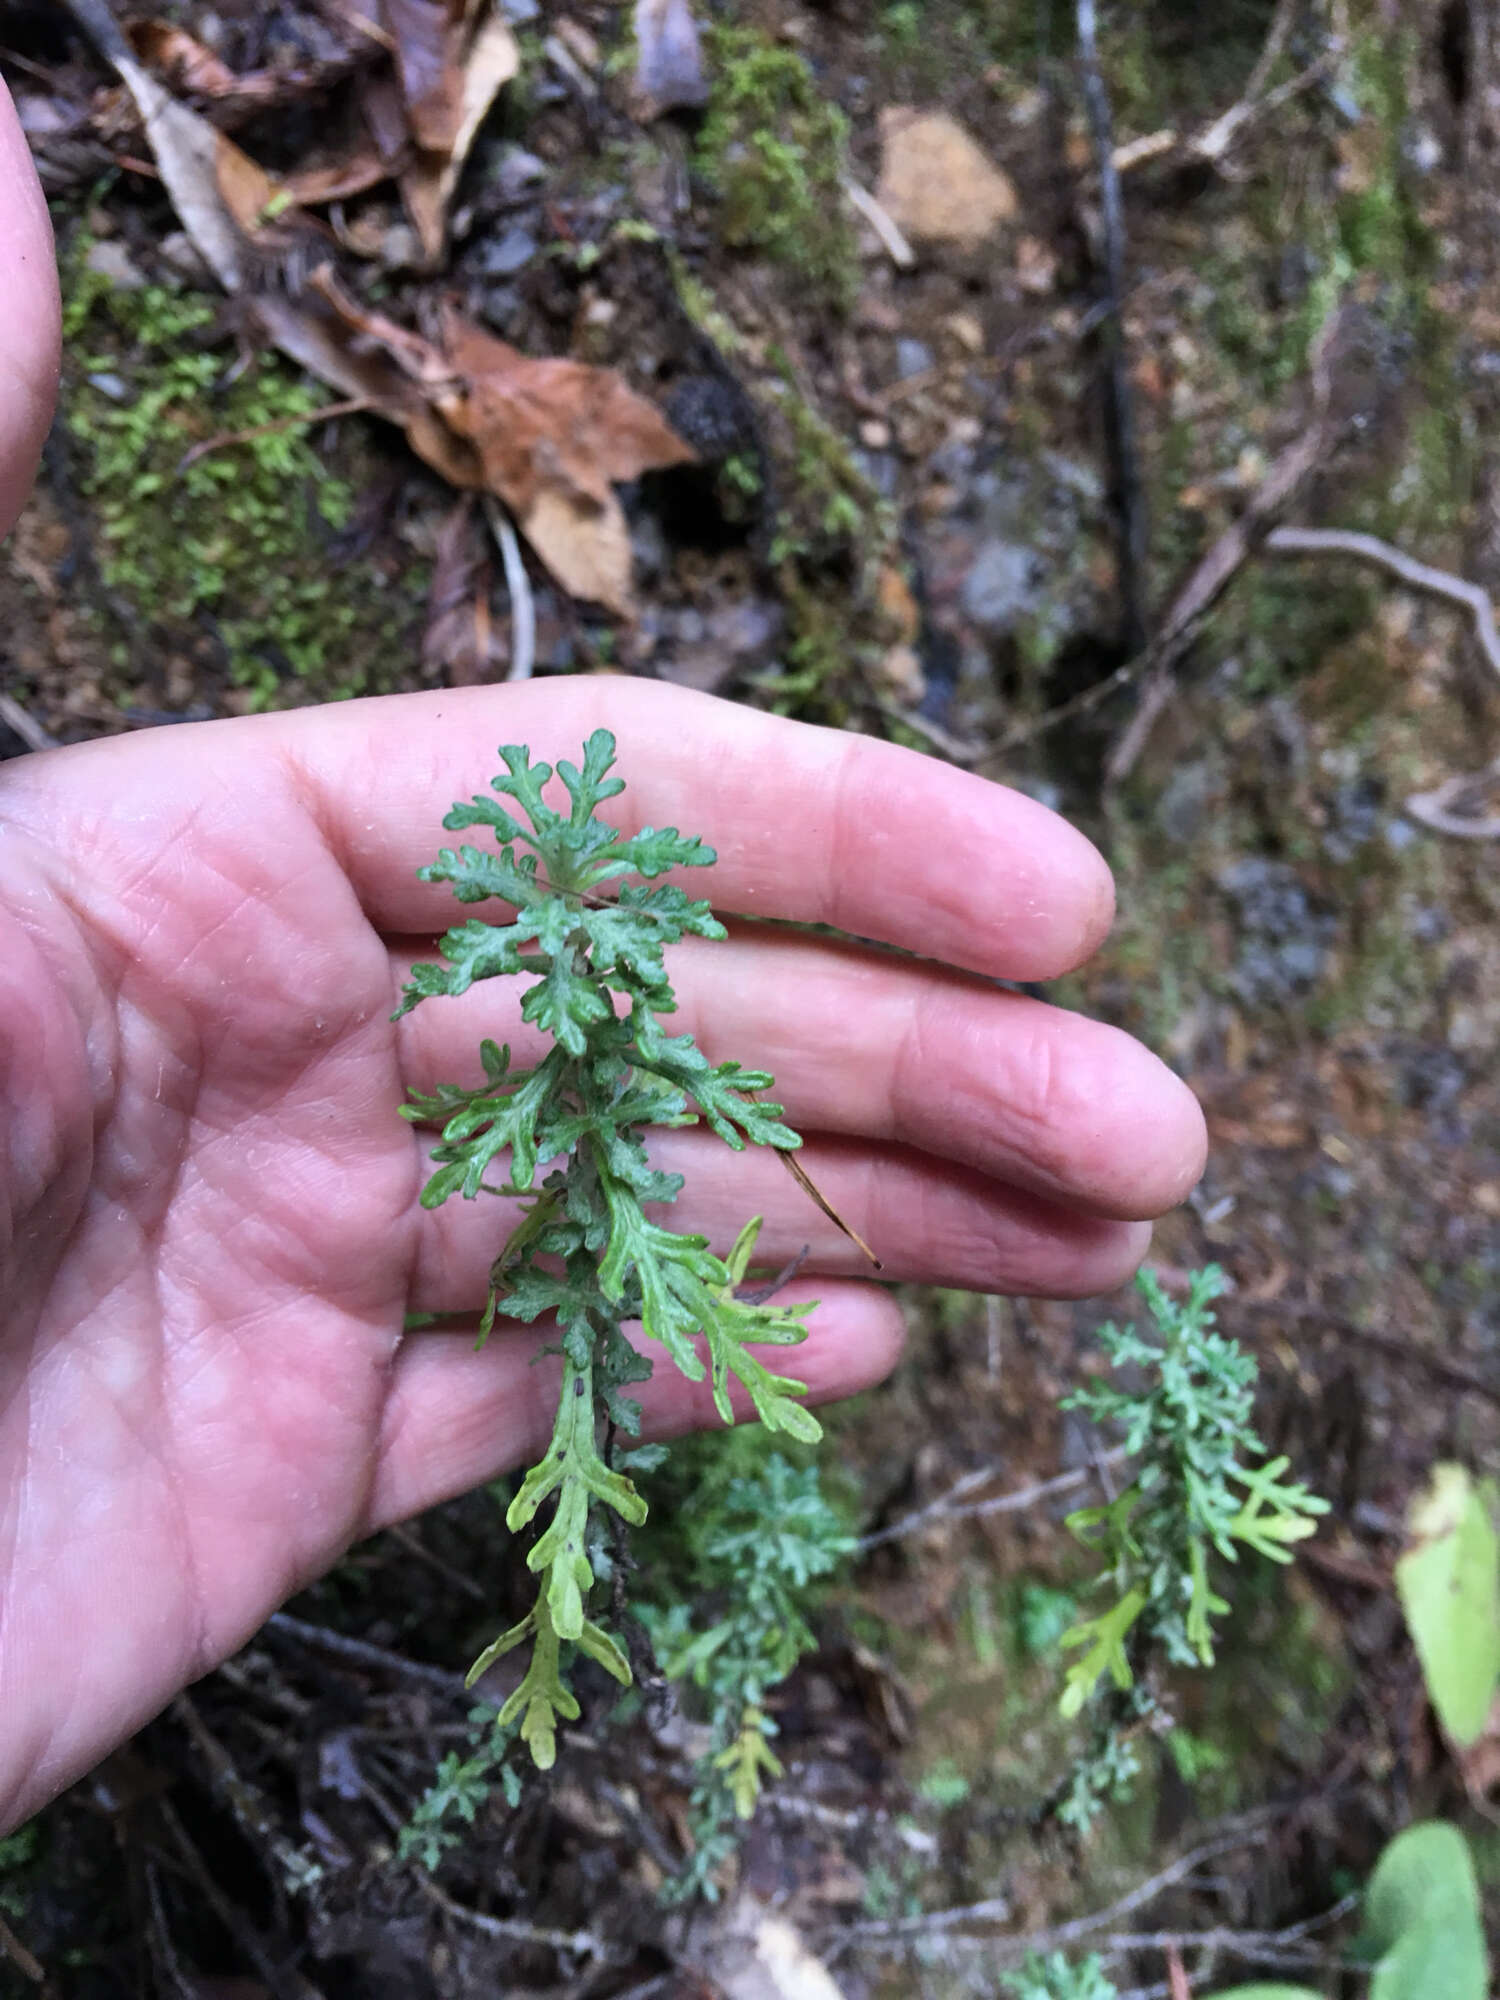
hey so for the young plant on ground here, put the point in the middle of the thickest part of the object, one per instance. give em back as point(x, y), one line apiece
point(744, 1561)
point(1202, 1488)
point(584, 1252)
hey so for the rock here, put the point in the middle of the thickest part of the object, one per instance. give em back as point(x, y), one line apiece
point(110, 260)
point(669, 69)
point(1001, 587)
point(913, 357)
point(731, 641)
point(517, 172)
point(512, 253)
point(936, 184)
point(1285, 938)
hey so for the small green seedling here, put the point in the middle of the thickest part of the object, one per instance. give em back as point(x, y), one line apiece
point(584, 1250)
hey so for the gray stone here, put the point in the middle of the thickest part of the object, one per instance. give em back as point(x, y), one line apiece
point(108, 258)
point(517, 172)
point(913, 357)
point(511, 253)
point(1001, 587)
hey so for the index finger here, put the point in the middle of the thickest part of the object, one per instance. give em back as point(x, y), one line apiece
point(813, 825)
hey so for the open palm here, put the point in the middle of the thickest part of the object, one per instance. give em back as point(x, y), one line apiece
point(209, 1230)
point(205, 1392)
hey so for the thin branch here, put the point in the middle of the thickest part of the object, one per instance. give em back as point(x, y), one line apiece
point(954, 748)
point(580, 1944)
point(1213, 144)
point(884, 225)
point(1415, 575)
point(1432, 809)
point(955, 1505)
point(522, 604)
point(24, 725)
point(350, 406)
point(1442, 1368)
point(1206, 584)
point(12, 1948)
point(997, 1909)
point(359, 1653)
point(1119, 401)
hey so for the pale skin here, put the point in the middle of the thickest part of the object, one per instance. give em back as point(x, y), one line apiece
point(209, 1230)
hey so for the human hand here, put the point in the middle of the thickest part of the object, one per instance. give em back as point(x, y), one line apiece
point(209, 1231)
point(214, 1235)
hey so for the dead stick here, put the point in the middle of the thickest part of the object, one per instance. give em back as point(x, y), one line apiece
point(12, 1948)
point(1430, 809)
point(1119, 401)
point(24, 725)
point(1416, 575)
point(348, 408)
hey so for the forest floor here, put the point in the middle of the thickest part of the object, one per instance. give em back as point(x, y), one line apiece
point(989, 474)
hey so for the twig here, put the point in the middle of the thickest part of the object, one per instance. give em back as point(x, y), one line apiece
point(1215, 141)
point(1431, 809)
point(350, 406)
point(414, 1545)
point(1119, 402)
point(1434, 809)
point(884, 225)
point(582, 1944)
point(361, 1654)
point(997, 1909)
point(246, 1802)
point(1218, 569)
point(1277, 1949)
point(1452, 1374)
point(954, 1505)
point(284, 1981)
point(24, 725)
point(954, 748)
point(1416, 575)
point(522, 604)
point(12, 1948)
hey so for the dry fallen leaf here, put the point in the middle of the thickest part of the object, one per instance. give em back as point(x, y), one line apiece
point(551, 437)
point(188, 66)
point(461, 641)
point(490, 60)
point(548, 437)
point(451, 60)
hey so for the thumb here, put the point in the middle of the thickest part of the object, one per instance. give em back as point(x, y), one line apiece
point(30, 322)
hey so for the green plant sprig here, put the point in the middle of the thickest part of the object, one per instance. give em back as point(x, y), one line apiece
point(585, 1252)
point(1193, 1495)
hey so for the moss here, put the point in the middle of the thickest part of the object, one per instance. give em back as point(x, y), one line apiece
point(774, 148)
point(236, 540)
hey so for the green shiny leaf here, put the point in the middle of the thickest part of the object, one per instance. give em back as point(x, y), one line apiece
point(1449, 1585)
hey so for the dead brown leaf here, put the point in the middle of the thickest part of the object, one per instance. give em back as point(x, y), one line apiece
point(184, 63)
point(551, 424)
point(461, 642)
point(451, 59)
point(548, 437)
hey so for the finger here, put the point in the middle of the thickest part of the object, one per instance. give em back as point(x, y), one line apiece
point(909, 1055)
point(456, 1417)
point(928, 1221)
point(31, 321)
point(810, 824)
